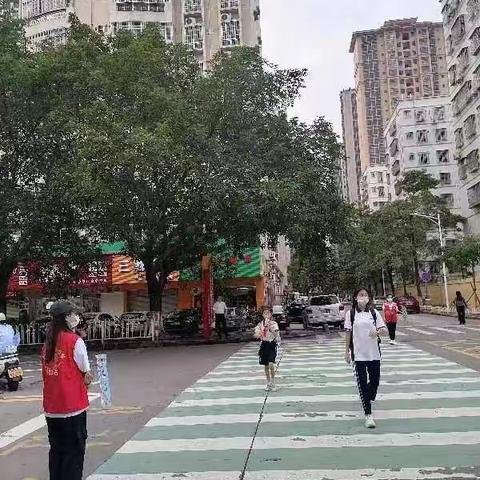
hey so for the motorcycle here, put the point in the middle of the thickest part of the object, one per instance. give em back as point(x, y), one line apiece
point(10, 368)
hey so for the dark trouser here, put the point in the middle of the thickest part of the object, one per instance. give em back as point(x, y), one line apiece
point(221, 325)
point(461, 315)
point(67, 437)
point(368, 379)
point(392, 328)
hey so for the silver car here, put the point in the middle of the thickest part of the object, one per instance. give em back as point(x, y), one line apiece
point(324, 311)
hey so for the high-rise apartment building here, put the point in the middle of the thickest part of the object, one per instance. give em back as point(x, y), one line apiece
point(351, 164)
point(403, 59)
point(206, 26)
point(419, 136)
point(462, 31)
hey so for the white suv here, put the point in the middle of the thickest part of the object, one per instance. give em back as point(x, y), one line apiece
point(324, 311)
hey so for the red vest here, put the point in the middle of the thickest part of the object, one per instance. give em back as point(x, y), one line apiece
point(391, 312)
point(64, 390)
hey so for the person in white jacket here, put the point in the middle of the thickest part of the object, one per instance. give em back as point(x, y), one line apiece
point(268, 333)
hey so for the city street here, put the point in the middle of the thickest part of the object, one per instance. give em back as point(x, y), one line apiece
point(222, 425)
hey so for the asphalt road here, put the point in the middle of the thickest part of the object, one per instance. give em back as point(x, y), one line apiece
point(145, 382)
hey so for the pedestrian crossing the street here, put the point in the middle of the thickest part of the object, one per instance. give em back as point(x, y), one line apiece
point(226, 427)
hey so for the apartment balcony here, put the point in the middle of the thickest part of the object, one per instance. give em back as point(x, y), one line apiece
point(395, 168)
point(473, 195)
point(473, 9)
point(463, 98)
point(458, 30)
point(398, 188)
point(475, 39)
point(393, 147)
point(472, 162)
point(193, 7)
point(462, 169)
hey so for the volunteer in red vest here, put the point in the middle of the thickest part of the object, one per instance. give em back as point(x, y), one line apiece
point(390, 313)
point(66, 376)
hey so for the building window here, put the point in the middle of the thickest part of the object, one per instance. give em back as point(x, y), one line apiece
point(230, 30)
point(193, 34)
point(381, 191)
point(379, 177)
point(424, 158)
point(459, 141)
point(192, 6)
point(447, 199)
point(407, 114)
point(422, 136)
point(420, 115)
point(470, 126)
point(439, 114)
point(458, 30)
point(410, 136)
point(463, 61)
point(473, 194)
point(411, 157)
point(228, 4)
point(441, 135)
point(443, 156)
point(141, 6)
point(445, 178)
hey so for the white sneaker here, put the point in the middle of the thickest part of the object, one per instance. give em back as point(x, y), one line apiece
point(273, 387)
point(370, 422)
point(268, 388)
point(393, 342)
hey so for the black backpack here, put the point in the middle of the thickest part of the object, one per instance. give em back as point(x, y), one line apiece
point(352, 319)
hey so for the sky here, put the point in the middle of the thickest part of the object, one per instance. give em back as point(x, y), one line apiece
point(316, 34)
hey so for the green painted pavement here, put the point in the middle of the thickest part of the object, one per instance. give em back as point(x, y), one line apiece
point(299, 459)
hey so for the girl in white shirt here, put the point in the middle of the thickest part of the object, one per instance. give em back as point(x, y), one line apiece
point(269, 334)
point(364, 325)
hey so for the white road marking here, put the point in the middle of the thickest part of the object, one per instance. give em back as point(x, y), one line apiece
point(211, 402)
point(348, 384)
point(447, 330)
point(414, 371)
point(417, 330)
point(304, 442)
point(348, 373)
point(437, 473)
point(169, 476)
point(28, 427)
point(312, 417)
point(332, 366)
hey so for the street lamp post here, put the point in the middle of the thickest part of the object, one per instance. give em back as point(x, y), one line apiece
point(438, 222)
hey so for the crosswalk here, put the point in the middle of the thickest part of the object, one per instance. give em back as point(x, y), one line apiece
point(226, 427)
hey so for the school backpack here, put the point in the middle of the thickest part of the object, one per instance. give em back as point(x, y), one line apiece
point(352, 319)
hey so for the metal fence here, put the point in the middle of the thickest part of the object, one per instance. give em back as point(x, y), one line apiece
point(149, 329)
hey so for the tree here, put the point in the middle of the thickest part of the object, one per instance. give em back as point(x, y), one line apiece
point(171, 161)
point(37, 216)
point(466, 256)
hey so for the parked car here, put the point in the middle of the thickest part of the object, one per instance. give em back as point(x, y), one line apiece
point(379, 302)
point(324, 311)
point(409, 303)
point(185, 322)
point(295, 311)
point(280, 317)
point(237, 319)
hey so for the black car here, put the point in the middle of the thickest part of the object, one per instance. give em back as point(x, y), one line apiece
point(183, 322)
point(295, 311)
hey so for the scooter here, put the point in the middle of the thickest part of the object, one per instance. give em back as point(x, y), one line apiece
point(10, 369)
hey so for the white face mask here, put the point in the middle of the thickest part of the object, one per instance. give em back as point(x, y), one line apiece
point(362, 301)
point(390, 300)
point(72, 321)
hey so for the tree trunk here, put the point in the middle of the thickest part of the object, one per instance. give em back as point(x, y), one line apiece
point(156, 283)
point(390, 280)
point(417, 276)
point(474, 280)
point(6, 271)
point(404, 279)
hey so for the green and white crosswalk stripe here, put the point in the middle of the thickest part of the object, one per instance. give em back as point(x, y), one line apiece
point(225, 427)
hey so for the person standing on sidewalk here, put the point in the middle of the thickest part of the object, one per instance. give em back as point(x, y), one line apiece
point(461, 306)
point(364, 325)
point(390, 312)
point(268, 333)
point(66, 376)
point(220, 311)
